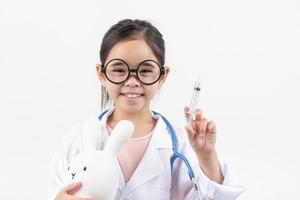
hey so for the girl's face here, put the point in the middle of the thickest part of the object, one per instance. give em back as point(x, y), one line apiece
point(131, 96)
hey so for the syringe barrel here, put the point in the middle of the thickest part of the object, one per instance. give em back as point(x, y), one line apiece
point(194, 100)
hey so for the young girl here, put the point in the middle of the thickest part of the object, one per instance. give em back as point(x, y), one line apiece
point(132, 70)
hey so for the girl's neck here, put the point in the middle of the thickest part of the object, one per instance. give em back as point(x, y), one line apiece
point(142, 116)
point(143, 121)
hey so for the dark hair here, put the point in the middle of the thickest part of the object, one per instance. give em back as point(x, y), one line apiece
point(128, 29)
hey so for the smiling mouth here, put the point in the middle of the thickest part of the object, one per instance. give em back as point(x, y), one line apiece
point(132, 95)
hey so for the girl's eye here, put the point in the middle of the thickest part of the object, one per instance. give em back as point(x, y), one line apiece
point(84, 169)
point(146, 71)
point(119, 70)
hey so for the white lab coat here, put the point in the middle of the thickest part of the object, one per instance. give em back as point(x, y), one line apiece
point(152, 179)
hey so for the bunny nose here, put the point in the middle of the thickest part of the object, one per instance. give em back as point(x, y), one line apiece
point(73, 175)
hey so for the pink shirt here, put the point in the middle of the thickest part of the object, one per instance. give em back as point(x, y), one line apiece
point(132, 153)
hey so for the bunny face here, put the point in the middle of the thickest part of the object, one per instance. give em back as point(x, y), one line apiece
point(98, 170)
point(80, 166)
point(83, 166)
point(98, 173)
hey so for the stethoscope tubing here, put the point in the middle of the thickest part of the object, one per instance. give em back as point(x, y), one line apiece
point(176, 154)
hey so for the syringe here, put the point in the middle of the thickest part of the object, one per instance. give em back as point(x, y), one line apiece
point(194, 100)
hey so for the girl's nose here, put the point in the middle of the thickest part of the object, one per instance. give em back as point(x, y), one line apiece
point(132, 81)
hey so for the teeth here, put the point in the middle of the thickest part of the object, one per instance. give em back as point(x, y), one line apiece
point(132, 95)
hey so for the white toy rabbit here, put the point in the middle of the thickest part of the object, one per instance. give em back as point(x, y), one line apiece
point(97, 170)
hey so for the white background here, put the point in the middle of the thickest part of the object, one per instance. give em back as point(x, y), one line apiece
point(247, 53)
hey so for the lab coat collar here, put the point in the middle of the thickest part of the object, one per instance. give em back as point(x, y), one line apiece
point(151, 164)
point(160, 137)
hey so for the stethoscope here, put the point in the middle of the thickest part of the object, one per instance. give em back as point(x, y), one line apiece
point(176, 154)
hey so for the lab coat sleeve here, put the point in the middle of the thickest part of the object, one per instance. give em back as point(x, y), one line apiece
point(66, 149)
point(184, 188)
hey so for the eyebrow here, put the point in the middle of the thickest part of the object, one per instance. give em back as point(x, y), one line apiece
point(148, 64)
point(117, 63)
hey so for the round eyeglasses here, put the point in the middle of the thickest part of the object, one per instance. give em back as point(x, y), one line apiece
point(118, 71)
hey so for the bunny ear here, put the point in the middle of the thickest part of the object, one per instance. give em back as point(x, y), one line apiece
point(119, 136)
point(90, 133)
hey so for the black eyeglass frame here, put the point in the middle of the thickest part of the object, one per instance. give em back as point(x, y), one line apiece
point(161, 71)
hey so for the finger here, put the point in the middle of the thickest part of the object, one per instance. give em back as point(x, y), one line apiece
point(211, 128)
point(198, 114)
point(195, 125)
point(203, 125)
point(186, 109)
point(187, 113)
point(214, 130)
point(72, 188)
point(198, 127)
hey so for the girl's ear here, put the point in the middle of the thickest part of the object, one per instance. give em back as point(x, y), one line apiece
point(100, 75)
point(164, 77)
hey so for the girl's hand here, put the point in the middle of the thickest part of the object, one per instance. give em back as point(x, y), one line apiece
point(67, 192)
point(202, 136)
point(201, 133)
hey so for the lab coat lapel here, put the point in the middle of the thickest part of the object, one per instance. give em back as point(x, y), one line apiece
point(151, 165)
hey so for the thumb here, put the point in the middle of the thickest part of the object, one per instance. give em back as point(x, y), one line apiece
point(72, 188)
point(190, 131)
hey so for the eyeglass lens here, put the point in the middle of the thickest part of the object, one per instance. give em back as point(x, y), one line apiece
point(118, 71)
